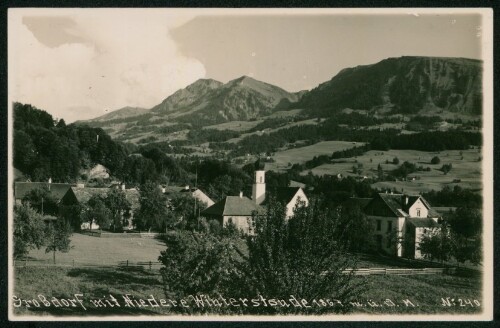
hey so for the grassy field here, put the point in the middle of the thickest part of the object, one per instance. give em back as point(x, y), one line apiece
point(303, 154)
point(104, 251)
point(423, 291)
point(90, 277)
point(467, 170)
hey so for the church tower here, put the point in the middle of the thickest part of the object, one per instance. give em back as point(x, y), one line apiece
point(259, 185)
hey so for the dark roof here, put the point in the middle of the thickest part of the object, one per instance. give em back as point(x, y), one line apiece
point(361, 202)
point(84, 194)
point(57, 190)
point(285, 194)
point(393, 201)
point(233, 205)
point(281, 194)
point(398, 205)
point(423, 222)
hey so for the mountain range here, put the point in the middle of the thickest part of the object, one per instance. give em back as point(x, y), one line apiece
point(405, 85)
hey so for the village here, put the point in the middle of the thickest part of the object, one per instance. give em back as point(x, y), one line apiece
point(399, 220)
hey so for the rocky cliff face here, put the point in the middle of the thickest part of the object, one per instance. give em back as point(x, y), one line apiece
point(403, 85)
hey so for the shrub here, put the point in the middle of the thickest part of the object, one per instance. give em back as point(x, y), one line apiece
point(435, 160)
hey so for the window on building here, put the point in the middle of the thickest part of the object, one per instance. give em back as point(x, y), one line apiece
point(389, 242)
point(389, 226)
point(379, 225)
point(418, 212)
point(260, 179)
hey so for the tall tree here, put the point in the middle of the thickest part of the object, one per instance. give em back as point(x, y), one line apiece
point(299, 256)
point(28, 230)
point(437, 244)
point(118, 206)
point(97, 211)
point(57, 235)
point(466, 225)
point(153, 212)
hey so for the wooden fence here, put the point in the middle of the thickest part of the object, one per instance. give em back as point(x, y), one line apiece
point(155, 265)
point(397, 271)
point(105, 234)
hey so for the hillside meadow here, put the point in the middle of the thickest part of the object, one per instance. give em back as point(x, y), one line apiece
point(302, 154)
point(466, 171)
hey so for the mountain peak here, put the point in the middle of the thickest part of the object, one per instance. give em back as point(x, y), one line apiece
point(206, 81)
point(244, 79)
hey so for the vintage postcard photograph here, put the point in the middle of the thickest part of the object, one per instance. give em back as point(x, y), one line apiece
point(250, 164)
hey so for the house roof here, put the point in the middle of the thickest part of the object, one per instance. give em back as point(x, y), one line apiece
point(397, 204)
point(423, 222)
point(233, 205)
point(84, 194)
point(57, 190)
point(361, 202)
point(393, 202)
point(285, 194)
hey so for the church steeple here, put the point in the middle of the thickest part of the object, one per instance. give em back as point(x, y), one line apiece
point(259, 185)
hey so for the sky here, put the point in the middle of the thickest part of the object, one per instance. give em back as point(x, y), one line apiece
point(82, 63)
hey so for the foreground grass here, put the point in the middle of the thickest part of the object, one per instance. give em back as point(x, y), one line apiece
point(422, 293)
point(103, 251)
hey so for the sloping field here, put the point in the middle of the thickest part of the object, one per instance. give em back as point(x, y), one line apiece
point(234, 125)
point(466, 169)
point(303, 154)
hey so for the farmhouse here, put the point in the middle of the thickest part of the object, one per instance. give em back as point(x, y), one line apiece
point(240, 210)
point(400, 221)
point(56, 190)
point(132, 195)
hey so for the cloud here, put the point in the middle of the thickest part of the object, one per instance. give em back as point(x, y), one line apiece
point(100, 60)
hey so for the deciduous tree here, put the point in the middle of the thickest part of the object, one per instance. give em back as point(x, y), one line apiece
point(28, 230)
point(57, 235)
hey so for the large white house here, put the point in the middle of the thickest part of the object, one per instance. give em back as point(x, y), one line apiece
point(400, 221)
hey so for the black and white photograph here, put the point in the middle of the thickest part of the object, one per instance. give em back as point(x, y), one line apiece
point(175, 164)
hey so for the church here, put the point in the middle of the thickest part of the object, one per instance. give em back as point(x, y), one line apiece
point(240, 210)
